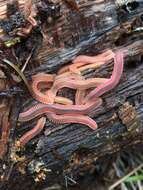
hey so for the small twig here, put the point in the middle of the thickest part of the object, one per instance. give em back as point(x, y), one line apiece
point(125, 177)
point(138, 183)
point(16, 58)
point(9, 171)
point(118, 172)
point(70, 179)
point(27, 60)
point(19, 72)
point(123, 186)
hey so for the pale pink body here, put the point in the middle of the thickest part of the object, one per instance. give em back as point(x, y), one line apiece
point(114, 80)
point(74, 113)
point(82, 60)
point(77, 84)
point(82, 119)
point(42, 97)
point(33, 132)
point(41, 109)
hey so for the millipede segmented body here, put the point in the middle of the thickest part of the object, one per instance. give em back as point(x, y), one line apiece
point(70, 77)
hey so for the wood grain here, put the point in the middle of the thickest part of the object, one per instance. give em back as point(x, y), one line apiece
point(99, 25)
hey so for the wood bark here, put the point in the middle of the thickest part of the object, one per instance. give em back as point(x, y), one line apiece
point(97, 26)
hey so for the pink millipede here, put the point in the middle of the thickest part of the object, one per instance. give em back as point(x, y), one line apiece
point(72, 118)
point(33, 132)
point(114, 80)
point(78, 113)
point(41, 109)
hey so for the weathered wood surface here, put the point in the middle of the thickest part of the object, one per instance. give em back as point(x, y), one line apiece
point(81, 31)
point(113, 131)
point(99, 25)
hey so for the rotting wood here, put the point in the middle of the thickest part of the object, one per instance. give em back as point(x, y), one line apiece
point(58, 146)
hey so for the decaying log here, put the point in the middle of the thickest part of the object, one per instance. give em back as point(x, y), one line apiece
point(97, 26)
point(119, 120)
